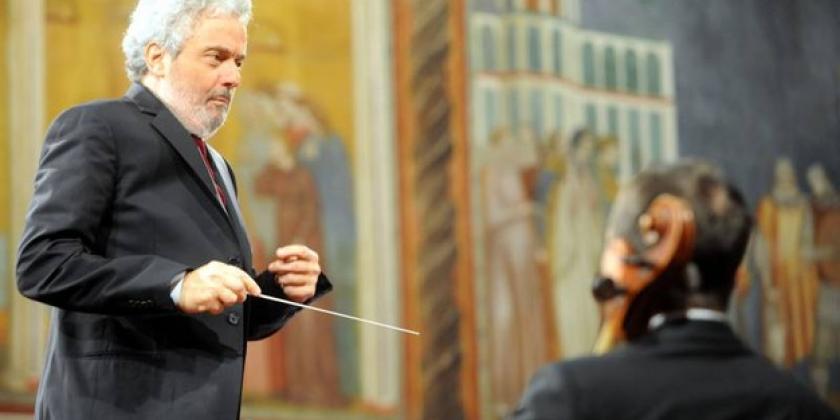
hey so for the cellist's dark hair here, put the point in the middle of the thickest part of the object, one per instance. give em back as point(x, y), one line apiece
point(723, 222)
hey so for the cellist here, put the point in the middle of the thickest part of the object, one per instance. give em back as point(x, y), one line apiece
point(674, 241)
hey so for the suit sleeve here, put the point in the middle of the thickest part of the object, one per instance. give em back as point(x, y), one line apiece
point(548, 396)
point(62, 256)
point(266, 317)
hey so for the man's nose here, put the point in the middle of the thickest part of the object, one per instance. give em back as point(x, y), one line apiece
point(231, 76)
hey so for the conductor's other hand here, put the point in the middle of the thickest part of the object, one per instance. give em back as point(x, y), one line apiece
point(296, 270)
point(214, 287)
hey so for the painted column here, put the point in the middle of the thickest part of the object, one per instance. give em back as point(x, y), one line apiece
point(25, 88)
point(376, 204)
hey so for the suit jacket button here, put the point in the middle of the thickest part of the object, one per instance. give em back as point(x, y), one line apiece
point(233, 318)
point(234, 261)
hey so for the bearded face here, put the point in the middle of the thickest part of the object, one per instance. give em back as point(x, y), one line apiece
point(199, 83)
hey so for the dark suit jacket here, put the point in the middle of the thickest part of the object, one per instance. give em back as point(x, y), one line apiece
point(684, 370)
point(123, 203)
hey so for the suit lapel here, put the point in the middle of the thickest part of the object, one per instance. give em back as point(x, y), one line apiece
point(166, 124)
point(179, 138)
point(233, 211)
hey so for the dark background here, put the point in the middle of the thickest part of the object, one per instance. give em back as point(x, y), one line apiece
point(755, 79)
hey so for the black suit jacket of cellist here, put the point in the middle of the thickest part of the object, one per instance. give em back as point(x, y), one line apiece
point(692, 370)
point(123, 203)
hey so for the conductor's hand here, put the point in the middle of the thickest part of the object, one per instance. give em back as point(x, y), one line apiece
point(296, 270)
point(214, 287)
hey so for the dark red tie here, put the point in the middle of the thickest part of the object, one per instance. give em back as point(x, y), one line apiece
point(202, 150)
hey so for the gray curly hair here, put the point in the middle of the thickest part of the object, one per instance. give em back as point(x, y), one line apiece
point(169, 23)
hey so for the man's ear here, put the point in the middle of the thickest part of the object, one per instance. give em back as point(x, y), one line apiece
point(155, 57)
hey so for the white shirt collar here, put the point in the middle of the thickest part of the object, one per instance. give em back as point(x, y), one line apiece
point(693, 314)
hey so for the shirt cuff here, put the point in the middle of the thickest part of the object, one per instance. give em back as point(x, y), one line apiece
point(177, 282)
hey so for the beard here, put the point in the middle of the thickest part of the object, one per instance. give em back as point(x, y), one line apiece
point(193, 109)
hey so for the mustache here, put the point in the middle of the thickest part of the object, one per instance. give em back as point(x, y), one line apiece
point(225, 94)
